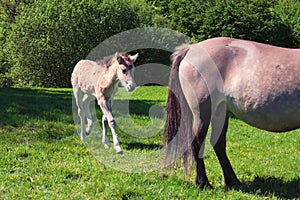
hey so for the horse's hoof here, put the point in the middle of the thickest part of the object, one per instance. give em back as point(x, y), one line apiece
point(237, 185)
point(106, 146)
point(82, 137)
point(204, 184)
point(118, 150)
point(88, 132)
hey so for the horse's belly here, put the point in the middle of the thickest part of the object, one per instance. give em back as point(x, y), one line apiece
point(274, 114)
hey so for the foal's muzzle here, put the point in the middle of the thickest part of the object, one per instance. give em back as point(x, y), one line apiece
point(130, 86)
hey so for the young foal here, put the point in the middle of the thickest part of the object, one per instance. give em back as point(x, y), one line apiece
point(100, 80)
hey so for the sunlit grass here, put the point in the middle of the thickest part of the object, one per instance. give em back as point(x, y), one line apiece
point(42, 156)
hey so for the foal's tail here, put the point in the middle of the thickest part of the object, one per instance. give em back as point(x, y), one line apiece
point(178, 132)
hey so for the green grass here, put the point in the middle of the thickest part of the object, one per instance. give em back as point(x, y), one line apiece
point(42, 156)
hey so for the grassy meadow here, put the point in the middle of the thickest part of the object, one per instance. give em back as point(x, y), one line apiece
point(42, 156)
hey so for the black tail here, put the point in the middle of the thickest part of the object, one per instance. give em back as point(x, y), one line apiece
point(178, 134)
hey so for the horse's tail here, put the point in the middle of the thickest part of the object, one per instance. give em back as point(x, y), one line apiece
point(177, 133)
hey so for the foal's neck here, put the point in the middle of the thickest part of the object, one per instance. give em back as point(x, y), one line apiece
point(108, 79)
point(111, 74)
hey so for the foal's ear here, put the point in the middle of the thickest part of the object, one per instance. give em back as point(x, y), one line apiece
point(133, 58)
point(119, 58)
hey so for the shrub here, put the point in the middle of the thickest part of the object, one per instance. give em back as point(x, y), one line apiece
point(241, 19)
point(288, 11)
point(49, 37)
point(274, 22)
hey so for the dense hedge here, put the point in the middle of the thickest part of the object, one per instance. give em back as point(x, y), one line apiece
point(41, 41)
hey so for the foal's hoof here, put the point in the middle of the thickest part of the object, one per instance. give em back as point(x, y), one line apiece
point(82, 138)
point(88, 132)
point(118, 150)
point(106, 146)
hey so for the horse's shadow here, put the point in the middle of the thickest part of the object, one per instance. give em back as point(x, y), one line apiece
point(272, 186)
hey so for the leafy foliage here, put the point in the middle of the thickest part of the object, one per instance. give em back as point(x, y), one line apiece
point(41, 41)
point(272, 22)
point(50, 37)
point(288, 12)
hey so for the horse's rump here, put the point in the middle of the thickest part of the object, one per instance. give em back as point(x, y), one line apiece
point(260, 85)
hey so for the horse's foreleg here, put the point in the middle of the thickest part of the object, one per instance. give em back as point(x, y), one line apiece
point(104, 132)
point(111, 122)
point(219, 139)
point(200, 130)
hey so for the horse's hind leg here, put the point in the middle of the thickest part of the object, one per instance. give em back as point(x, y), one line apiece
point(200, 128)
point(219, 143)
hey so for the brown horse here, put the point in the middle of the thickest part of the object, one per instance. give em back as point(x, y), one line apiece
point(258, 83)
point(100, 80)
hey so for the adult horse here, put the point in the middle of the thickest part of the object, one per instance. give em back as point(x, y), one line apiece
point(258, 83)
point(100, 80)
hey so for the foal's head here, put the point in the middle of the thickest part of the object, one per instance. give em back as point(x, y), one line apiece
point(125, 70)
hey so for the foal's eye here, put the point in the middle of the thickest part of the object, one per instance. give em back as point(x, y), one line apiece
point(124, 71)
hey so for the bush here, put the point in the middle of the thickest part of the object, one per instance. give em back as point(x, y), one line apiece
point(247, 20)
point(49, 37)
point(4, 23)
point(41, 41)
point(288, 12)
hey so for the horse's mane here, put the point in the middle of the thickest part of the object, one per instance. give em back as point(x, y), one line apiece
point(107, 60)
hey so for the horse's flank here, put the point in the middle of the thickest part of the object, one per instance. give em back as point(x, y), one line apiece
point(261, 82)
point(260, 85)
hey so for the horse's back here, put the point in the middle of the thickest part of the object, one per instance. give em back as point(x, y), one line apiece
point(261, 82)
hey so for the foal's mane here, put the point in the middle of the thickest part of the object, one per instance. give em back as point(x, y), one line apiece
point(107, 60)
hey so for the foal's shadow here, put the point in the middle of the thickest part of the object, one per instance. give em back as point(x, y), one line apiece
point(273, 186)
point(140, 146)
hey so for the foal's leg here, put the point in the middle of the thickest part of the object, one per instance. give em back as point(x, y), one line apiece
point(103, 103)
point(104, 133)
point(79, 101)
point(200, 130)
point(230, 177)
point(90, 122)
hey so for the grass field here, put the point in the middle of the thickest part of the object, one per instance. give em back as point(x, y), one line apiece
point(42, 156)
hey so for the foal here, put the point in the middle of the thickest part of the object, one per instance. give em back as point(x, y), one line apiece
point(100, 80)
